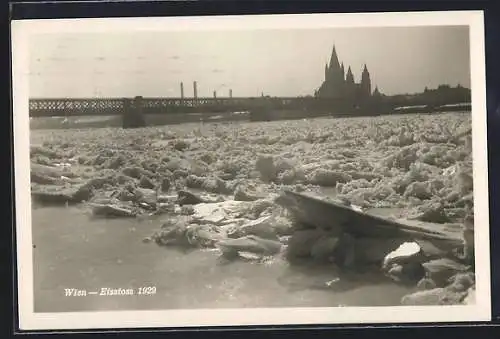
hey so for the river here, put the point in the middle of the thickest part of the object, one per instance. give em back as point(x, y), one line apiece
point(72, 250)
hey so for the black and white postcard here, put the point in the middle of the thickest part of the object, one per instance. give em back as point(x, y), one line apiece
point(251, 170)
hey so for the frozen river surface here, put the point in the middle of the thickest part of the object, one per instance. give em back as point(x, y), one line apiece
point(73, 251)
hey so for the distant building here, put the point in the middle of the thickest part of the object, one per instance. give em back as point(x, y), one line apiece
point(339, 84)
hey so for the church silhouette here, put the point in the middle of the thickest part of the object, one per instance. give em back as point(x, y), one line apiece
point(341, 85)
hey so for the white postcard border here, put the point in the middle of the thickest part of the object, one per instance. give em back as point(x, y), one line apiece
point(22, 30)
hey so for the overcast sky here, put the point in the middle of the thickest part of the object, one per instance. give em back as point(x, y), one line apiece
point(277, 62)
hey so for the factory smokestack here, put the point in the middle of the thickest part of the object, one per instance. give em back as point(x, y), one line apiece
point(195, 90)
point(182, 90)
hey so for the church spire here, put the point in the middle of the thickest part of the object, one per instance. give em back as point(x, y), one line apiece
point(366, 81)
point(349, 78)
point(334, 60)
point(365, 76)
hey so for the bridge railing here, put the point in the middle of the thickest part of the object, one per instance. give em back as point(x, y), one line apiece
point(62, 107)
point(90, 106)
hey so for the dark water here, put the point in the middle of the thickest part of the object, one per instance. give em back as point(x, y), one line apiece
point(74, 251)
point(109, 121)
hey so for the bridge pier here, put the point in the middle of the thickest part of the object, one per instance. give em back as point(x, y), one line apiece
point(133, 115)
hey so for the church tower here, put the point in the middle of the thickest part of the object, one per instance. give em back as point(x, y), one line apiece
point(350, 86)
point(349, 78)
point(366, 86)
point(336, 76)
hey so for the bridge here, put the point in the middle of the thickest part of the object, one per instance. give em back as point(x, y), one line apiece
point(289, 106)
point(110, 106)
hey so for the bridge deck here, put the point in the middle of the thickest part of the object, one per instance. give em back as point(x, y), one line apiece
point(91, 106)
point(45, 107)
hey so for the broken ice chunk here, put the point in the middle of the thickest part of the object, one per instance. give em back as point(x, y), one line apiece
point(404, 251)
